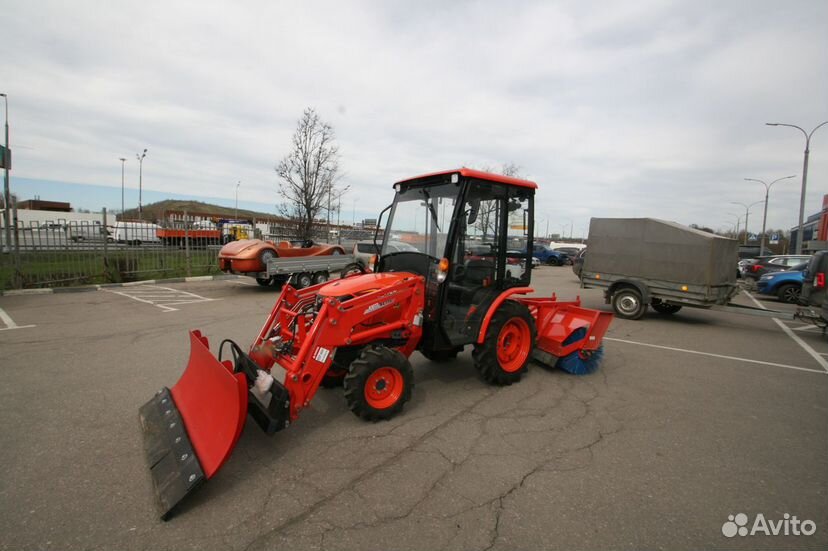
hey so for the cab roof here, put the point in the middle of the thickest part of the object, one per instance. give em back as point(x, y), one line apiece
point(478, 174)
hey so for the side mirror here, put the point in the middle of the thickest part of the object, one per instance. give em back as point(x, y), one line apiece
point(474, 208)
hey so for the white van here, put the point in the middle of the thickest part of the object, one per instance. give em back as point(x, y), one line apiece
point(135, 233)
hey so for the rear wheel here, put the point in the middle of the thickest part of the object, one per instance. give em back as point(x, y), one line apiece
point(789, 293)
point(320, 277)
point(264, 281)
point(378, 383)
point(665, 307)
point(553, 261)
point(628, 304)
point(507, 348)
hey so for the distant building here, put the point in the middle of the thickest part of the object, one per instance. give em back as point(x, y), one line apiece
point(51, 206)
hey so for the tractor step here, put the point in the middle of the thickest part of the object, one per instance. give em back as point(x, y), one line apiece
point(172, 460)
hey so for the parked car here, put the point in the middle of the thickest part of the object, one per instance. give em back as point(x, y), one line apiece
point(766, 264)
point(785, 284)
point(548, 256)
point(364, 250)
point(250, 256)
point(570, 252)
point(578, 262)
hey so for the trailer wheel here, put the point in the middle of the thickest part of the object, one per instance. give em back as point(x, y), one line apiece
point(628, 304)
point(507, 348)
point(264, 281)
point(665, 307)
point(378, 383)
point(789, 293)
point(302, 280)
point(320, 277)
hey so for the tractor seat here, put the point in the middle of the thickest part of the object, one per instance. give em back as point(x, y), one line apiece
point(477, 272)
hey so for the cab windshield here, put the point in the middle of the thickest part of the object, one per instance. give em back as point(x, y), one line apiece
point(421, 218)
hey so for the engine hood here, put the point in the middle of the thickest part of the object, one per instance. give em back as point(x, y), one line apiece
point(235, 247)
point(362, 284)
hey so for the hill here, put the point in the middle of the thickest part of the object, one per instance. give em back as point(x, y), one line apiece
point(161, 209)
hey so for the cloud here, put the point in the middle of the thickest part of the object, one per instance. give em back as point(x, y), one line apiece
point(616, 109)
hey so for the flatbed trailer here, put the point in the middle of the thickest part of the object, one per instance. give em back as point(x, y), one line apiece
point(307, 270)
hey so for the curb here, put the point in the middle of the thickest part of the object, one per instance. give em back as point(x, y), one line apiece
point(89, 288)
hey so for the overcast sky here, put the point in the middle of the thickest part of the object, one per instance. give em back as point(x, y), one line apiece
point(635, 108)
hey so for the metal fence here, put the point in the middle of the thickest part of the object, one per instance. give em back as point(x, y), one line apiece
point(57, 252)
point(62, 253)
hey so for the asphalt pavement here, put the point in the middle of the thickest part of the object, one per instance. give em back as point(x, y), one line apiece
point(691, 419)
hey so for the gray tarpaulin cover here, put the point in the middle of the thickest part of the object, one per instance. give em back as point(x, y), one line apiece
point(647, 248)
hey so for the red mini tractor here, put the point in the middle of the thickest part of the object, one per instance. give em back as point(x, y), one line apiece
point(457, 286)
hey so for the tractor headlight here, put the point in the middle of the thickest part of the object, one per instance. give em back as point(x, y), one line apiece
point(442, 270)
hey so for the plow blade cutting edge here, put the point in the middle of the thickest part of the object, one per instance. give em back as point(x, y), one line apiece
point(190, 430)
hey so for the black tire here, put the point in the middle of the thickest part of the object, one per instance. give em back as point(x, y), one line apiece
point(441, 356)
point(378, 383)
point(628, 304)
point(352, 269)
point(665, 307)
point(493, 359)
point(553, 261)
point(789, 293)
point(320, 277)
point(264, 281)
point(302, 280)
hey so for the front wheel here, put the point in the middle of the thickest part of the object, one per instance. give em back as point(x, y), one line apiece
point(507, 348)
point(552, 261)
point(628, 304)
point(378, 383)
point(302, 280)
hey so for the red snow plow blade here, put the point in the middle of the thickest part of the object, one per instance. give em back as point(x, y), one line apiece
point(189, 431)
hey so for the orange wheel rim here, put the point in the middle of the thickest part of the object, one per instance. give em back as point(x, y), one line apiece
point(513, 344)
point(384, 387)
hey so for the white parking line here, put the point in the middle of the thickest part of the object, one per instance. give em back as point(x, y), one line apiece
point(9, 323)
point(162, 297)
point(747, 360)
point(820, 360)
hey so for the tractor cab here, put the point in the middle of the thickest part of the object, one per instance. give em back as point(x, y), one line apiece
point(470, 232)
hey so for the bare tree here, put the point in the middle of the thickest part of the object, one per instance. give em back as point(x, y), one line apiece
point(308, 173)
point(487, 216)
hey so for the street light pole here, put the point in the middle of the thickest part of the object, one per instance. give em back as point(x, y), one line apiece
point(237, 199)
point(123, 160)
point(799, 235)
point(140, 181)
point(765, 216)
point(747, 214)
point(6, 190)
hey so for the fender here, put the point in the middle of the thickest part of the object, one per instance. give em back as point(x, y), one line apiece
point(639, 285)
point(496, 304)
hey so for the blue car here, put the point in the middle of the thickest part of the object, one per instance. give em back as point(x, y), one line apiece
point(549, 256)
point(786, 285)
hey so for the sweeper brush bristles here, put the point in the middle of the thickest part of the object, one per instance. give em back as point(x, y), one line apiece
point(581, 362)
